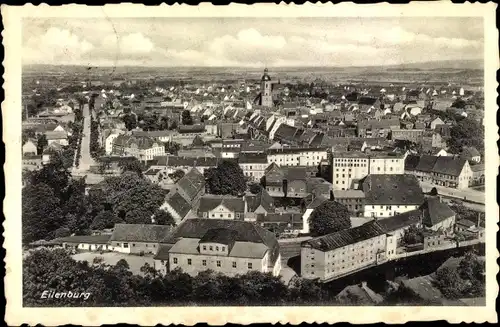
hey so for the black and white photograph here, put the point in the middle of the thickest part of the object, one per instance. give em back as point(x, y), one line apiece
point(254, 161)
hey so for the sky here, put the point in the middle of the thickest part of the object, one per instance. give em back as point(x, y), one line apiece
point(250, 42)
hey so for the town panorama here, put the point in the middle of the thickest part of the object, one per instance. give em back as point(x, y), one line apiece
point(267, 185)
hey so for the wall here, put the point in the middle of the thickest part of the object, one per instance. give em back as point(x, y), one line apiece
point(134, 247)
point(386, 210)
point(226, 264)
point(312, 263)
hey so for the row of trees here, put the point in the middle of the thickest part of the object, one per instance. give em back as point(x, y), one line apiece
point(115, 285)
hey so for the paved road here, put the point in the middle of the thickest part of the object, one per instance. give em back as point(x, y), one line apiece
point(86, 160)
point(469, 194)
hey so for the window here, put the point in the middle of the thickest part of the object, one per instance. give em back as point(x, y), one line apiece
point(249, 265)
point(204, 247)
point(204, 262)
point(175, 260)
point(189, 261)
point(216, 248)
point(221, 215)
point(133, 244)
point(117, 244)
point(234, 264)
point(223, 248)
point(218, 263)
point(211, 248)
point(125, 245)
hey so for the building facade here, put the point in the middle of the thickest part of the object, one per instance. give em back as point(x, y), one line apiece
point(335, 255)
point(348, 167)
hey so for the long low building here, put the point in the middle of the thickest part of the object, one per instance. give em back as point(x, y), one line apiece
point(335, 255)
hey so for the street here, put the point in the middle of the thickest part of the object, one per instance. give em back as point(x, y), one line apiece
point(86, 160)
point(461, 194)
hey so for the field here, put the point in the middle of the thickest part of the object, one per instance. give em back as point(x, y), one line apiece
point(111, 258)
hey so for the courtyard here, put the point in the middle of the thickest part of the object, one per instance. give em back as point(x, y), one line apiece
point(111, 258)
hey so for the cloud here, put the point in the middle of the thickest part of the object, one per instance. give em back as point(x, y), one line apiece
point(245, 43)
point(56, 45)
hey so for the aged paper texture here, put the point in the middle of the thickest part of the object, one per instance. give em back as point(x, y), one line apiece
point(87, 85)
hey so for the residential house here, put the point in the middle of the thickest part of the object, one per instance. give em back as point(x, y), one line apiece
point(230, 247)
point(297, 156)
point(222, 207)
point(352, 199)
point(440, 136)
point(30, 147)
point(138, 238)
point(441, 170)
point(261, 203)
point(437, 216)
point(338, 254)
point(376, 128)
point(177, 206)
point(191, 186)
point(286, 181)
point(388, 195)
point(435, 122)
point(477, 174)
point(348, 167)
point(57, 137)
point(253, 165)
point(471, 154)
point(85, 242)
point(412, 135)
point(143, 148)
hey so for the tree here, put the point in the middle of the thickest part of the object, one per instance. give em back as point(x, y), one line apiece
point(162, 217)
point(413, 235)
point(131, 165)
point(459, 104)
point(130, 121)
point(172, 147)
point(177, 175)
point(433, 192)
point(449, 283)
point(254, 188)
point(466, 132)
point(41, 213)
point(62, 232)
point(27, 134)
point(329, 217)
point(133, 198)
point(42, 143)
point(186, 118)
point(105, 219)
point(226, 178)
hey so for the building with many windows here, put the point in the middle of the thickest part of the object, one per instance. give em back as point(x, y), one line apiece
point(348, 167)
point(338, 254)
point(389, 195)
point(297, 156)
point(226, 246)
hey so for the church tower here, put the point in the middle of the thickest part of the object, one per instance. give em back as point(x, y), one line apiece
point(266, 90)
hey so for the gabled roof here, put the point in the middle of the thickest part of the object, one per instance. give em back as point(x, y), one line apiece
point(392, 189)
point(179, 204)
point(192, 183)
point(140, 233)
point(210, 202)
point(246, 231)
point(435, 211)
point(401, 220)
point(345, 237)
point(261, 199)
point(449, 165)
